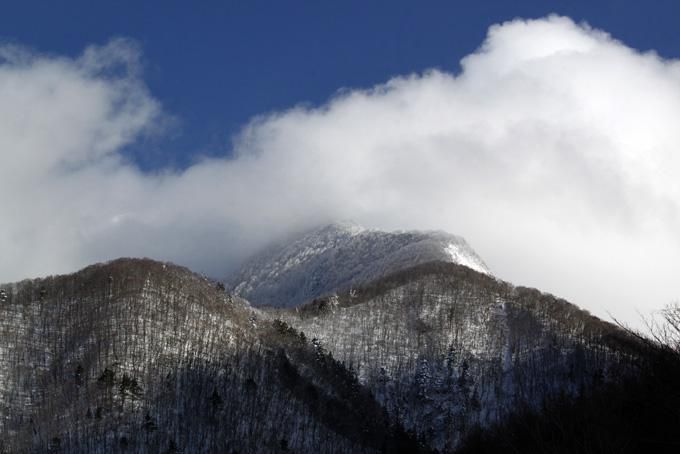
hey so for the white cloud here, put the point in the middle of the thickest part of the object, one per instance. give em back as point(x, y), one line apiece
point(554, 152)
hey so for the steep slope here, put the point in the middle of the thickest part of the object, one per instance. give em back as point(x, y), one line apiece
point(446, 349)
point(338, 256)
point(141, 356)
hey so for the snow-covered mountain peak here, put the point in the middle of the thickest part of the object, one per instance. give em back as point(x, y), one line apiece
point(346, 227)
point(341, 255)
point(463, 258)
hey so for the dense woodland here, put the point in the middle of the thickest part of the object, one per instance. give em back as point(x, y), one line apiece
point(448, 350)
point(141, 356)
point(637, 413)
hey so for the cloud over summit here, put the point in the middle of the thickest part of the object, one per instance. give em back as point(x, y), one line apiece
point(553, 151)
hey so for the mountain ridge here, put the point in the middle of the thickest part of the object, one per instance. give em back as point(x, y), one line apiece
point(337, 256)
point(155, 357)
point(461, 347)
point(143, 356)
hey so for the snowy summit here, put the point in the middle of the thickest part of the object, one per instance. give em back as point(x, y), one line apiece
point(340, 255)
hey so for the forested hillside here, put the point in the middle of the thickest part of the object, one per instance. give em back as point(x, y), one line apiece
point(446, 349)
point(140, 356)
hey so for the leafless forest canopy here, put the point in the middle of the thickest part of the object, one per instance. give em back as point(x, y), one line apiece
point(140, 356)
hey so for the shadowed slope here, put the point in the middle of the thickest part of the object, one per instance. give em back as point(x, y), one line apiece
point(144, 356)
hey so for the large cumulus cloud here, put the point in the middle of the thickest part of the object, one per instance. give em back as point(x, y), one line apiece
point(554, 151)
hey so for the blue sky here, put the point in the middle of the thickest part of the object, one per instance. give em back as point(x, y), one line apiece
point(215, 64)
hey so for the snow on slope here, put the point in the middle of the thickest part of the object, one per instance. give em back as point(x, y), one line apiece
point(140, 356)
point(463, 257)
point(444, 350)
point(339, 256)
